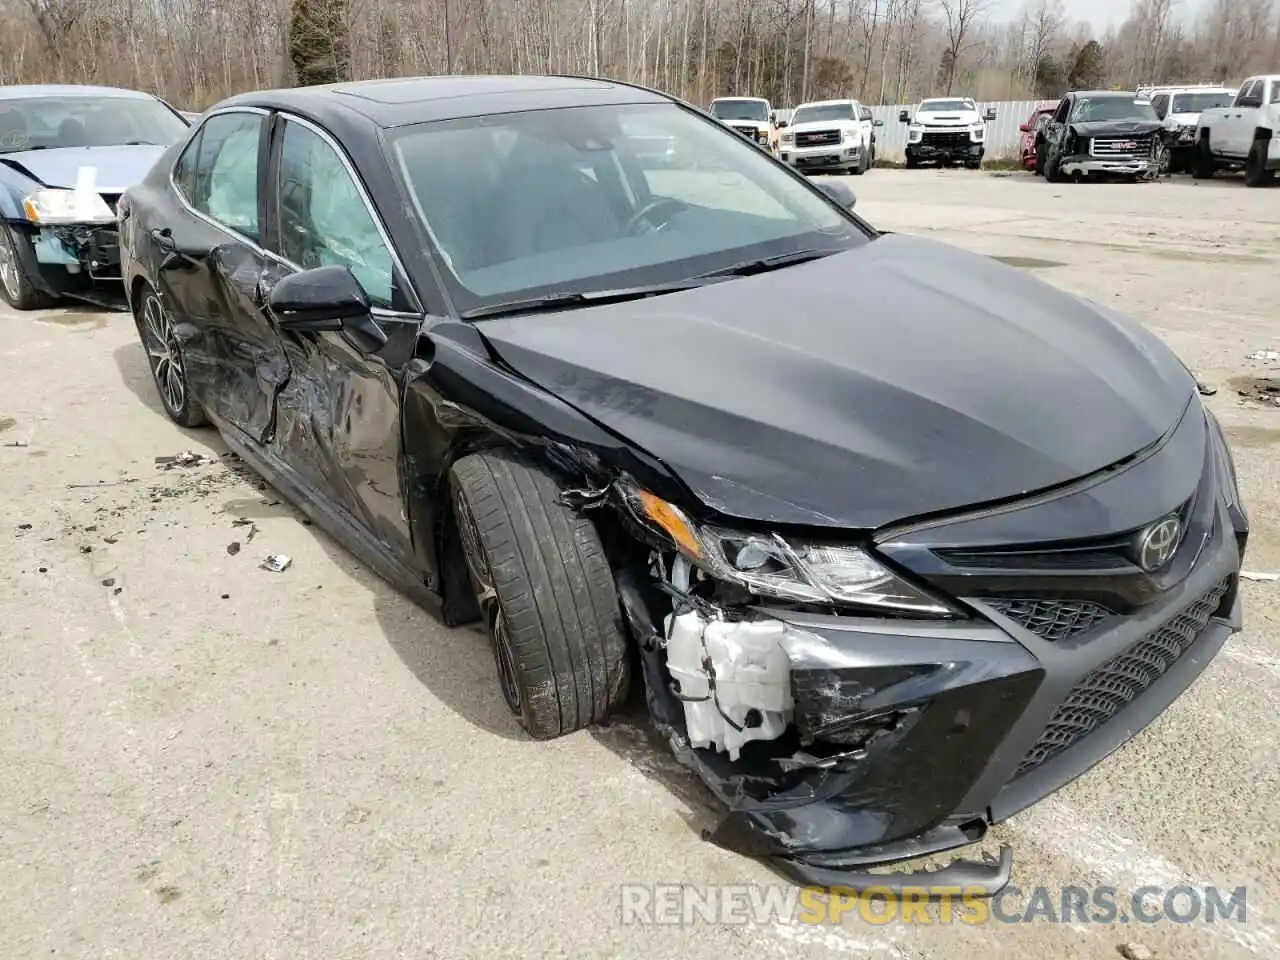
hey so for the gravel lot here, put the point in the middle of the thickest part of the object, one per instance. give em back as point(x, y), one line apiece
point(204, 759)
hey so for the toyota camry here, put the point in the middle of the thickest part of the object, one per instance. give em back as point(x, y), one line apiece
point(896, 539)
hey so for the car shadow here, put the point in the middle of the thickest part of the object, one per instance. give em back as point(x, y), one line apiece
point(135, 374)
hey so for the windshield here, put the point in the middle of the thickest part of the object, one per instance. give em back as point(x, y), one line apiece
point(740, 110)
point(826, 111)
point(1091, 109)
point(573, 200)
point(947, 106)
point(1196, 102)
point(36, 123)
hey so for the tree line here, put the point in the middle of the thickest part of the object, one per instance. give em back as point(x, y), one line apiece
point(195, 52)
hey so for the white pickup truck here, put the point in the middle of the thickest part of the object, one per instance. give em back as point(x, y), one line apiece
point(946, 129)
point(830, 135)
point(1245, 134)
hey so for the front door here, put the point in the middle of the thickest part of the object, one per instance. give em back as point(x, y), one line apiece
point(235, 360)
point(1240, 120)
point(338, 425)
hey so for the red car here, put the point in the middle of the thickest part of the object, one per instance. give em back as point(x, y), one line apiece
point(1027, 145)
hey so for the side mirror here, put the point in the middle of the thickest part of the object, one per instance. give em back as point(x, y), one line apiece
point(773, 116)
point(904, 116)
point(877, 123)
point(326, 299)
point(1024, 128)
point(990, 114)
point(840, 192)
point(782, 124)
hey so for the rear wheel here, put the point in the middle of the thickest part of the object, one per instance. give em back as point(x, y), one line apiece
point(1202, 163)
point(546, 593)
point(15, 284)
point(164, 357)
point(1256, 173)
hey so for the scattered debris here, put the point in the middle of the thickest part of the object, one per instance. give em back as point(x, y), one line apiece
point(184, 459)
point(85, 548)
point(1135, 951)
point(356, 815)
point(270, 503)
point(277, 562)
point(117, 591)
point(43, 569)
point(1205, 389)
point(24, 526)
point(233, 548)
point(101, 483)
point(1271, 355)
point(226, 596)
point(1259, 576)
point(1261, 390)
point(109, 582)
point(111, 539)
point(245, 522)
point(16, 443)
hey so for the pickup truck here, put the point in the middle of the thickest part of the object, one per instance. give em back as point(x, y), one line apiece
point(830, 135)
point(1243, 134)
point(945, 130)
point(753, 117)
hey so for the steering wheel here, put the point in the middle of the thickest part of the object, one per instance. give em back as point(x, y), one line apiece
point(646, 213)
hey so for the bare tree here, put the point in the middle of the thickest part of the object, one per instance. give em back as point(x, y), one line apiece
point(960, 17)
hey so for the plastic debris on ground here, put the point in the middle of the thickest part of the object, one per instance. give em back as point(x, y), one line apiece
point(277, 562)
point(1259, 576)
point(1269, 355)
point(186, 458)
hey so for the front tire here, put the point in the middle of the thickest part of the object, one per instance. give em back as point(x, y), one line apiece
point(912, 162)
point(546, 593)
point(1202, 166)
point(1256, 173)
point(15, 283)
point(164, 358)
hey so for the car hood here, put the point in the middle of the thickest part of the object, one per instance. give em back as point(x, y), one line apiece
point(1183, 119)
point(948, 119)
point(1116, 128)
point(897, 379)
point(115, 168)
point(821, 125)
point(758, 124)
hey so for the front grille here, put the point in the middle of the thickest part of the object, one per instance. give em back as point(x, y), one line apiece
point(1121, 148)
point(1054, 620)
point(946, 138)
point(748, 132)
point(817, 138)
point(1105, 691)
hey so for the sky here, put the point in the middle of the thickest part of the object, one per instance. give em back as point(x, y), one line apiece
point(1100, 13)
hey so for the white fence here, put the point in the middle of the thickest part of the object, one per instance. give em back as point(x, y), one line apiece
point(1002, 132)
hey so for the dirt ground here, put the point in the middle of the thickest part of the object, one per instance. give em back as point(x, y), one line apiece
point(203, 759)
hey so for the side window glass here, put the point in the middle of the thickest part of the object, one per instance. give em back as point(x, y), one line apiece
point(1159, 104)
point(323, 218)
point(184, 171)
point(1275, 91)
point(1247, 93)
point(1063, 107)
point(226, 174)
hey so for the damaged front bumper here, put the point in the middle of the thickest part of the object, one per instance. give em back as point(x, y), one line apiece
point(1086, 164)
point(848, 742)
point(79, 260)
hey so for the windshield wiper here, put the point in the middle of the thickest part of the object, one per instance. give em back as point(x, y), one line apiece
point(764, 264)
point(581, 298)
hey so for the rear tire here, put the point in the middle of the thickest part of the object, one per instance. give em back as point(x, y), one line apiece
point(1202, 166)
point(546, 593)
point(164, 359)
point(15, 283)
point(1256, 173)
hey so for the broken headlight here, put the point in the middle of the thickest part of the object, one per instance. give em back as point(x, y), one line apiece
point(52, 207)
point(770, 565)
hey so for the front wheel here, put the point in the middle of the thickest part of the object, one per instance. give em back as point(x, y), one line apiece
point(912, 162)
point(546, 593)
point(1202, 163)
point(164, 357)
point(1256, 173)
point(15, 283)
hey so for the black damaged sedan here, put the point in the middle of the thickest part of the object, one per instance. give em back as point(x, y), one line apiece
point(896, 539)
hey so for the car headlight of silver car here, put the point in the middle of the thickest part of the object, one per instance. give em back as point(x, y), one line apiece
point(53, 207)
point(771, 565)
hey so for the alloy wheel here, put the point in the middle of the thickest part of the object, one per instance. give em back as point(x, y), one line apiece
point(490, 608)
point(163, 354)
point(9, 268)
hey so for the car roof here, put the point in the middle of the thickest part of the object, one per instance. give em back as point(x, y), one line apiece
point(1105, 94)
point(751, 99)
point(28, 90)
point(400, 101)
point(827, 103)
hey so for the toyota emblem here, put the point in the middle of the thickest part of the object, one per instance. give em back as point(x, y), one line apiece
point(1158, 543)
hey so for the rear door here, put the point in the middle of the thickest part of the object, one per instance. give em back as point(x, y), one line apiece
point(235, 361)
point(339, 417)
